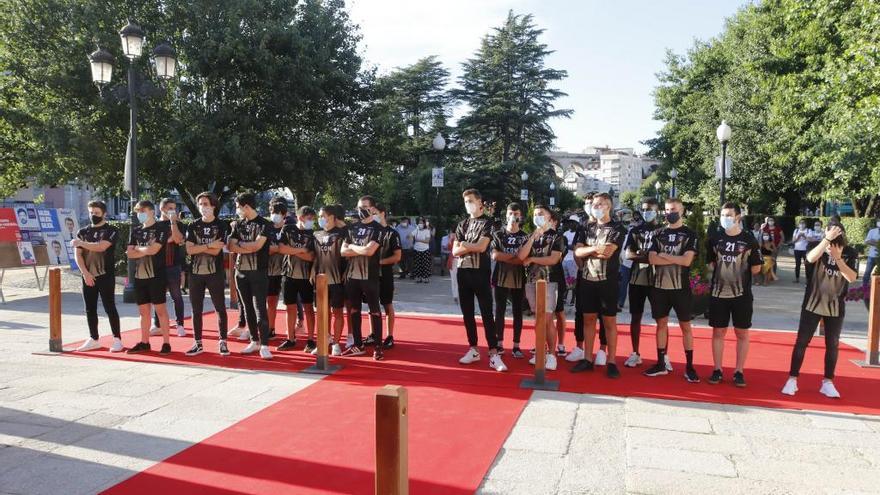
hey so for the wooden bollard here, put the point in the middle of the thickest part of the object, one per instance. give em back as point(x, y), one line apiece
point(392, 477)
point(55, 310)
point(872, 353)
point(322, 365)
point(540, 381)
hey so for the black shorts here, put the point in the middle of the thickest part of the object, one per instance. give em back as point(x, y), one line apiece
point(274, 287)
point(336, 293)
point(297, 289)
point(637, 296)
point(386, 290)
point(663, 301)
point(598, 297)
point(150, 290)
point(561, 291)
point(723, 310)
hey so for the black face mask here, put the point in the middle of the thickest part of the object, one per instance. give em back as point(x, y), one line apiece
point(673, 217)
point(96, 219)
point(364, 213)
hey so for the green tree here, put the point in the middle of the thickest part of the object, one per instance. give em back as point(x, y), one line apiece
point(265, 90)
point(510, 99)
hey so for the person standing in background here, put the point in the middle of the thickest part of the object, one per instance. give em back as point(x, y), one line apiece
point(423, 259)
point(813, 238)
point(405, 231)
point(800, 238)
point(872, 240)
point(277, 259)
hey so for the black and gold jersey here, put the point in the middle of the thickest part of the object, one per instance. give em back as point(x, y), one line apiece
point(826, 289)
point(637, 240)
point(295, 237)
point(390, 243)
point(674, 242)
point(592, 234)
point(248, 231)
point(201, 233)
point(474, 230)
point(734, 257)
point(328, 256)
point(99, 263)
point(150, 266)
point(364, 267)
point(276, 260)
point(544, 246)
point(508, 275)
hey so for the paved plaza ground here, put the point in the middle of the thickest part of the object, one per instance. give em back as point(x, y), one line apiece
point(77, 426)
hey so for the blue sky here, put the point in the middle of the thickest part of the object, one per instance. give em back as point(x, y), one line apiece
point(611, 50)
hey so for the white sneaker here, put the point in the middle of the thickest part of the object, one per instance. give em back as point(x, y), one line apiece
point(335, 350)
point(496, 363)
point(829, 390)
point(668, 363)
point(89, 345)
point(155, 331)
point(533, 360)
point(251, 348)
point(601, 358)
point(790, 387)
point(235, 332)
point(633, 360)
point(575, 355)
point(244, 336)
point(265, 353)
point(472, 356)
point(314, 351)
point(551, 362)
point(116, 346)
point(181, 332)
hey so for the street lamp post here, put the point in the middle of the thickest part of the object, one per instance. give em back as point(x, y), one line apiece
point(673, 174)
point(101, 61)
point(439, 144)
point(723, 134)
point(657, 187)
point(524, 193)
point(552, 194)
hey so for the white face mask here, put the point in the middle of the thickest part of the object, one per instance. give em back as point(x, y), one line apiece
point(727, 222)
point(471, 208)
point(802, 226)
point(309, 224)
point(817, 228)
point(276, 218)
point(539, 220)
point(597, 213)
point(649, 215)
point(377, 219)
point(878, 225)
point(771, 223)
point(206, 210)
point(512, 220)
point(240, 213)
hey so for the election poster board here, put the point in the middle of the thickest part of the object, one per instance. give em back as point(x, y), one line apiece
point(56, 248)
point(26, 253)
point(9, 231)
point(68, 224)
point(28, 223)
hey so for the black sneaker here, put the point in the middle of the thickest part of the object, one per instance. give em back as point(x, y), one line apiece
point(389, 342)
point(690, 375)
point(499, 349)
point(517, 353)
point(224, 349)
point(658, 369)
point(583, 365)
point(354, 351)
point(739, 380)
point(271, 333)
point(378, 355)
point(611, 371)
point(716, 378)
point(369, 340)
point(310, 346)
point(139, 347)
point(195, 350)
point(166, 349)
point(287, 345)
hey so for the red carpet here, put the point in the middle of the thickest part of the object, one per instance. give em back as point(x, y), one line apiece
point(320, 440)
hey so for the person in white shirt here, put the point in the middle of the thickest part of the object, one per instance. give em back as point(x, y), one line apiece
point(422, 261)
point(800, 238)
point(872, 240)
point(569, 265)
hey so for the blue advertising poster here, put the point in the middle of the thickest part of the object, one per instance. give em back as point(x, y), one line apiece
point(28, 223)
point(56, 247)
point(68, 224)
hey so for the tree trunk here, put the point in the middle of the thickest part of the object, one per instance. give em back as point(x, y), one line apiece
point(188, 199)
point(857, 207)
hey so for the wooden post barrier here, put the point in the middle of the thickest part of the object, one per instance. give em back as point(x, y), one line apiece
point(540, 382)
point(392, 456)
point(322, 365)
point(55, 310)
point(872, 354)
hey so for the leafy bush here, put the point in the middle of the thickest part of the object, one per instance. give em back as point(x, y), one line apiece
point(696, 221)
